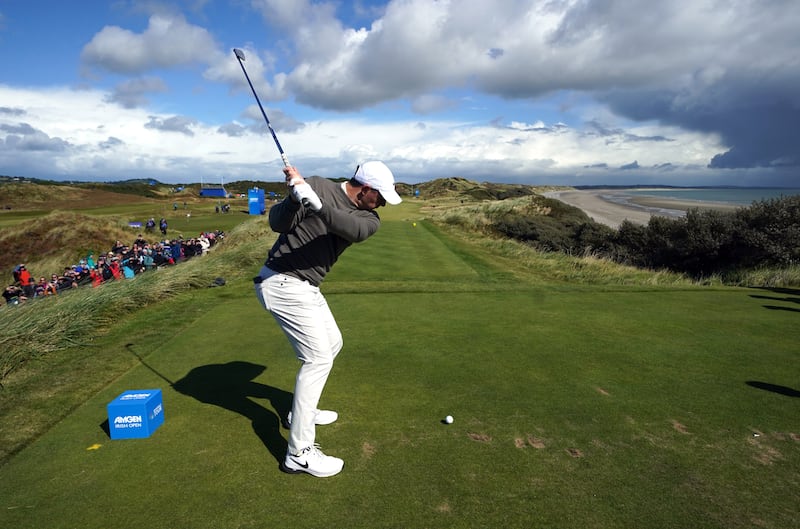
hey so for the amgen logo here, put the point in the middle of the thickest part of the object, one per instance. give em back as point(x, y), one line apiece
point(128, 419)
point(135, 396)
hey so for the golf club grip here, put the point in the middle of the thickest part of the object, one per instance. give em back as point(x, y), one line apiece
point(286, 163)
point(304, 201)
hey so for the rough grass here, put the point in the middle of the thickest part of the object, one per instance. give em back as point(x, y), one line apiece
point(23, 196)
point(575, 406)
point(29, 337)
point(44, 325)
point(764, 277)
point(49, 243)
point(73, 320)
point(475, 220)
point(471, 222)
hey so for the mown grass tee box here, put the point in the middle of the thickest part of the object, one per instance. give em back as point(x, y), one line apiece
point(135, 414)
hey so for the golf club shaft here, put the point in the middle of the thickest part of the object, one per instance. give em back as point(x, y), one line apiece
point(240, 57)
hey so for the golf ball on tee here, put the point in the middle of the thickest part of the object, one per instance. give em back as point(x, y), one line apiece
point(449, 419)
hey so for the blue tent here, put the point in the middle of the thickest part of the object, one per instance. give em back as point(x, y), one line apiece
point(213, 192)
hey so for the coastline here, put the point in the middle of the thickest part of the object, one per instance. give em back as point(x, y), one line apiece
point(614, 206)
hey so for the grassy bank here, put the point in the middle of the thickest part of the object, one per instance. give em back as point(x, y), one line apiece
point(584, 396)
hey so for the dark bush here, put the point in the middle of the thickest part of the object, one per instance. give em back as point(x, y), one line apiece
point(592, 237)
point(630, 245)
point(707, 242)
point(540, 231)
point(563, 228)
point(703, 243)
point(769, 232)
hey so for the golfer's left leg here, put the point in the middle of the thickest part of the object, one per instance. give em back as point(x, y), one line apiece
point(305, 318)
point(316, 346)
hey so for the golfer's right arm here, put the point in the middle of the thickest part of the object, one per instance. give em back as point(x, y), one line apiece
point(284, 215)
point(351, 225)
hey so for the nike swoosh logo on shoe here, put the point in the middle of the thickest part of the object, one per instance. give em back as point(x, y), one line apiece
point(299, 463)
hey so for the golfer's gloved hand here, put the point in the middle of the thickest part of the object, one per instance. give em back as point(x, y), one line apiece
point(304, 194)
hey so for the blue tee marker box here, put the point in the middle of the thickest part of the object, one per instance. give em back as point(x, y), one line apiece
point(135, 414)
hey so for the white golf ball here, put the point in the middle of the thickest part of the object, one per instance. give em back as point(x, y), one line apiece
point(449, 419)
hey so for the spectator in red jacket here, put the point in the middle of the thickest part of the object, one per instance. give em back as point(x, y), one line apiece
point(26, 281)
point(97, 276)
point(115, 267)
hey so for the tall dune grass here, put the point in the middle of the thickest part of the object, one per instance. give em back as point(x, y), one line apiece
point(43, 325)
point(764, 277)
point(472, 222)
point(49, 243)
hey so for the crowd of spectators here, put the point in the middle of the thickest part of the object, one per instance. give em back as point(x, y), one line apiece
point(122, 261)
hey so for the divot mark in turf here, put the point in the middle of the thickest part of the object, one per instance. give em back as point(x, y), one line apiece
point(535, 442)
point(680, 427)
point(575, 452)
point(769, 456)
point(782, 436)
point(602, 391)
point(368, 450)
point(530, 440)
point(480, 437)
point(444, 507)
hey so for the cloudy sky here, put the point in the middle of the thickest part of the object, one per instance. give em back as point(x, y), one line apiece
point(568, 92)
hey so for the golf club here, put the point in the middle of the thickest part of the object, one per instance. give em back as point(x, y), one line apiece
point(240, 57)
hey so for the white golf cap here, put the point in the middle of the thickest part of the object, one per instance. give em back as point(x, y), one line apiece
point(378, 176)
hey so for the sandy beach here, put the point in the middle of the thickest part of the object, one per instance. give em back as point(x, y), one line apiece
point(613, 206)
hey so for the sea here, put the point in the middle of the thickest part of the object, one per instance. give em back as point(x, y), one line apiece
point(736, 196)
point(740, 196)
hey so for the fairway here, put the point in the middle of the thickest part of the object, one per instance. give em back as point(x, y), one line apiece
point(575, 406)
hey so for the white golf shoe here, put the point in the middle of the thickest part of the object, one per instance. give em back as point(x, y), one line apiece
point(312, 461)
point(321, 417)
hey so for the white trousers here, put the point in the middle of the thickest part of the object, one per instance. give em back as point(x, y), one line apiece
point(303, 313)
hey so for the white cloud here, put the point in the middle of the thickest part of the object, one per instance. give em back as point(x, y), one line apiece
point(690, 64)
point(89, 126)
point(167, 41)
point(670, 86)
point(132, 93)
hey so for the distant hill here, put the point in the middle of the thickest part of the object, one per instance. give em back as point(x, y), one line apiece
point(29, 195)
point(458, 187)
point(24, 193)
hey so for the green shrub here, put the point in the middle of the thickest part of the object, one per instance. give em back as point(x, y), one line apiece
point(709, 242)
point(769, 232)
point(702, 244)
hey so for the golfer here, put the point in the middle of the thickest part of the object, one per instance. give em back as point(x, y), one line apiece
point(316, 222)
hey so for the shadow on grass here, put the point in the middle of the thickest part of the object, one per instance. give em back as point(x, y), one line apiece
point(777, 307)
point(791, 295)
point(782, 290)
point(230, 386)
point(781, 390)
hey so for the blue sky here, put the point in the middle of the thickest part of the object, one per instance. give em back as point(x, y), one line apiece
point(562, 92)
